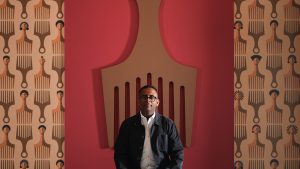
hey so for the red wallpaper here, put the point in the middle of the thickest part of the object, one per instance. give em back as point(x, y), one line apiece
point(197, 33)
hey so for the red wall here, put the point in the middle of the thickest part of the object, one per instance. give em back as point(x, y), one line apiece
point(100, 33)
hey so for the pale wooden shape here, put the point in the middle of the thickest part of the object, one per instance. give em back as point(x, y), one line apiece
point(149, 56)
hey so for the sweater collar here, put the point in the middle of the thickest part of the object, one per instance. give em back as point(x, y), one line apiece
point(157, 119)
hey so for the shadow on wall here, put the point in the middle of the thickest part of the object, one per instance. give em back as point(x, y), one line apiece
point(97, 77)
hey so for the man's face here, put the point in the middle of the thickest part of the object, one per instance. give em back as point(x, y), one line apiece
point(24, 26)
point(256, 61)
point(238, 96)
point(274, 95)
point(60, 165)
point(6, 130)
point(24, 95)
point(256, 129)
point(238, 165)
point(24, 165)
point(292, 60)
point(292, 130)
point(42, 130)
point(59, 95)
point(274, 25)
point(6, 61)
point(148, 101)
point(238, 26)
point(274, 165)
point(42, 61)
point(59, 26)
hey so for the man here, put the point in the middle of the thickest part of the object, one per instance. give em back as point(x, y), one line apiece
point(148, 140)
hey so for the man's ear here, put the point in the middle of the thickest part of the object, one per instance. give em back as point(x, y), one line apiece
point(157, 102)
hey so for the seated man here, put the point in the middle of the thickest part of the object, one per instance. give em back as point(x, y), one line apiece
point(148, 140)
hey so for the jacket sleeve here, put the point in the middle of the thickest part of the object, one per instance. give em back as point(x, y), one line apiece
point(121, 148)
point(175, 149)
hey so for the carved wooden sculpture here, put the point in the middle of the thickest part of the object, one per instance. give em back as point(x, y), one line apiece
point(42, 96)
point(7, 80)
point(240, 115)
point(292, 85)
point(7, 99)
point(149, 63)
point(60, 13)
point(24, 3)
point(6, 23)
point(240, 46)
point(24, 53)
point(256, 23)
point(256, 150)
point(274, 13)
point(24, 123)
point(274, 53)
point(7, 150)
point(58, 132)
point(238, 14)
point(58, 51)
point(274, 123)
point(292, 22)
point(42, 151)
point(292, 149)
point(42, 24)
point(256, 87)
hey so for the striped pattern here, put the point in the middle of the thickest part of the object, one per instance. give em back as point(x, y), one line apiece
point(42, 164)
point(7, 81)
point(24, 29)
point(271, 30)
point(42, 151)
point(6, 10)
point(7, 164)
point(256, 151)
point(24, 47)
point(42, 10)
point(58, 117)
point(58, 47)
point(7, 151)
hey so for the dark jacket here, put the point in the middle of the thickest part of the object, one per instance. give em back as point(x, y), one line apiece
point(165, 142)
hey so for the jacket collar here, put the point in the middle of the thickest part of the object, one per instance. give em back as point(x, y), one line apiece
point(157, 119)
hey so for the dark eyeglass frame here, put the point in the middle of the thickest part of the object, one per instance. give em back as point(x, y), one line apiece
point(146, 97)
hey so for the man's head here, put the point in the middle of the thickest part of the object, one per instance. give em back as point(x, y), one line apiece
point(274, 163)
point(60, 24)
point(256, 129)
point(60, 163)
point(256, 59)
point(24, 93)
point(24, 26)
point(238, 165)
point(42, 129)
point(274, 24)
point(6, 129)
point(274, 93)
point(6, 60)
point(60, 94)
point(148, 100)
point(292, 129)
point(238, 25)
point(24, 164)
point(292, 59)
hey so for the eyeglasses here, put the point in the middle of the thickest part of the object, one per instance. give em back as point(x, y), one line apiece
point(146, 97)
